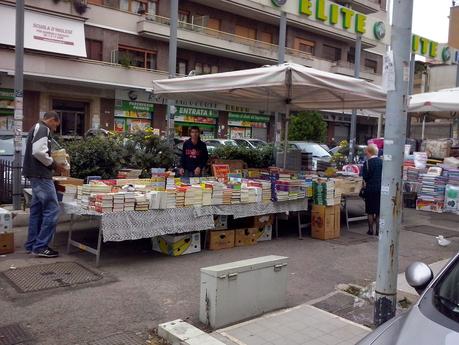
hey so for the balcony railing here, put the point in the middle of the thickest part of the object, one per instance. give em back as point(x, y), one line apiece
point(350, 65)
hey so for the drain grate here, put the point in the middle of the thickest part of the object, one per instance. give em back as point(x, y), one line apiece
point(119, 339)
point(14, 334)
point(50, 276)
point(433, 231)
point(349, 238)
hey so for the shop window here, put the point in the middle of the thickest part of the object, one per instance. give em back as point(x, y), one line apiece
point(94, 49)
point(303, 45)
point(331, 53)
point(182, 67)
point(266, 37)
point(371, 64)
point(137, 57)
point(245, 31)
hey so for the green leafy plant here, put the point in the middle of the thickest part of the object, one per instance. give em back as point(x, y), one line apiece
point(260, 158)
point(307, 126)
point(340, 158)
point(143, 150)
point(95, 156)
point(125, 60)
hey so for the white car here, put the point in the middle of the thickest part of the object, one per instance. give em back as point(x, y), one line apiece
point(214, 143)
point(317, 151)
point(250, 143)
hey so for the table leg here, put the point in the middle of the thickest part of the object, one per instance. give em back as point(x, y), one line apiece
point(300, 231)
point(69, 240)
point(277, 226)
point(347, 213)
point(99, 246)
point(206, 234)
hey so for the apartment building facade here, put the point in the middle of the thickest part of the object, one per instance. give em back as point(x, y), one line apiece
point(93, 61)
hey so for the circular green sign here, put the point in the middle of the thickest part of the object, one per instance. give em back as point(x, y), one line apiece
point(279, 3)
point(446, 54)
point(379, 30)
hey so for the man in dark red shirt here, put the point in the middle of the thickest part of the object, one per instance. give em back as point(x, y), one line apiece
point(194, 155)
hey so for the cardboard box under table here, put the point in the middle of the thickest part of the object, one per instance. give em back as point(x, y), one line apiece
point(325, 222)
point(221, 239)
point(245, 237)
point(176, 245)
point(6, 243)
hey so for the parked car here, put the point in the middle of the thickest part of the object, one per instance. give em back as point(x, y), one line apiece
point(214, 143)
point(318, 152)
point(434, 318)
point(250, 143)
point(7, 147)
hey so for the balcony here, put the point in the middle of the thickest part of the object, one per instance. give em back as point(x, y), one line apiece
point(363, 6)
point(347, 68)
point(80, 71)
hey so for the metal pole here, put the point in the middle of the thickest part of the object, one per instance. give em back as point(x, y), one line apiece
point(457, 74)
point(380, 118)
point(394, 141)
point(423, 127)
point(280, 60)
point(172, 66)
point(287, 118)
point(410, 92)
point(18, 104)
point(352, 139)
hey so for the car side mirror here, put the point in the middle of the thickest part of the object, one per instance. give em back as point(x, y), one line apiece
point(418, 275)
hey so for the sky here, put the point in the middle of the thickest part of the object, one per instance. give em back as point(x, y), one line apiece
point(430, 19)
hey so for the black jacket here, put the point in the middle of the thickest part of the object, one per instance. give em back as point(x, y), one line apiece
point(37, 158)
point(372, 174)
point(194, 156)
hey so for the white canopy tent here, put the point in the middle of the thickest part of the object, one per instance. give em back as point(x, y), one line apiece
point(443, 100)
point(279, 88)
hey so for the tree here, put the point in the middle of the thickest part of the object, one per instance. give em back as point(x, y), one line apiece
point(307, 126)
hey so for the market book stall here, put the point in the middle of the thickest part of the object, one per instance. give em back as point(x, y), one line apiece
point(130, 209)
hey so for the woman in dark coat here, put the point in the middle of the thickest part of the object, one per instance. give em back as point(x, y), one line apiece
point(372, 172)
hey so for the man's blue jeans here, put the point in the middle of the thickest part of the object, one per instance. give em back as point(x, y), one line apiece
point(44, 214)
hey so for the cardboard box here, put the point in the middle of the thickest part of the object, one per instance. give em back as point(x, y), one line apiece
point(325, 222)
point(6, 243)
point(265, 233)
point(221, 222)
point(245, 237)
point(176, 245)
point(260, 222)
point(6, 220)
point(221, 239)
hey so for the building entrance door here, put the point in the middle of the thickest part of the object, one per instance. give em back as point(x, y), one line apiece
point(73, 117)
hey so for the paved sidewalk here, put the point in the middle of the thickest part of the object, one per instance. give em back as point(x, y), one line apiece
point(302, 325)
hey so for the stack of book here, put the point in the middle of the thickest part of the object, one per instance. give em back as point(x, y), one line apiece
point(217, 192)
point(66, 192)
point(129, 173)
point(206, 196)
point(118, 202)
point(180, 196)
point(433, 188)
point(95, 188)
point(170, 198)
point(170, 183)
point(141, 202)
point(129, 201)
point(154, 198)
point(158, 183)
point(325, 193)
point(227, 195)
point(236, 195)
point(453, 176)
point(193, 196)
point(103, 203)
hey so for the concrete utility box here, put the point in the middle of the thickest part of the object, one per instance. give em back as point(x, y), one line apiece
point(243, 289)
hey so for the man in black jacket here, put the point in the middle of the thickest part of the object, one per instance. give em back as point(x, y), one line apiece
point(38, 168)
point(194, 155)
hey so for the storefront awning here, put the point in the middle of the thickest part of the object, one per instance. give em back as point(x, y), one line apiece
point(45, 32)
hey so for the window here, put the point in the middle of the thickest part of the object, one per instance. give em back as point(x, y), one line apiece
point(331, 53)
point(72, 115)
point(214, 69)
point(198, 68)
point(94, 49)
point(245, 31)
point(137, 57)
point(371, 64)
point(266, 37)
point(303, 45)
point(184, 16)
point(206, 69)
point(213, 23)
point(351, 55)
point(182, 67)
point(138, 6)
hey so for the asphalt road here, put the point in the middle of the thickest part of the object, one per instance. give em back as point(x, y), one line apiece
point(141, 289)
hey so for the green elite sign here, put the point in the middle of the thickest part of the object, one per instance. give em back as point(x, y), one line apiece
point(379, 30)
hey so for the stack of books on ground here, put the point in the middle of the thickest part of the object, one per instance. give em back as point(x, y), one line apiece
point(141, 202)
point(103, 203)
point(129, 201)
point(118, 202)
